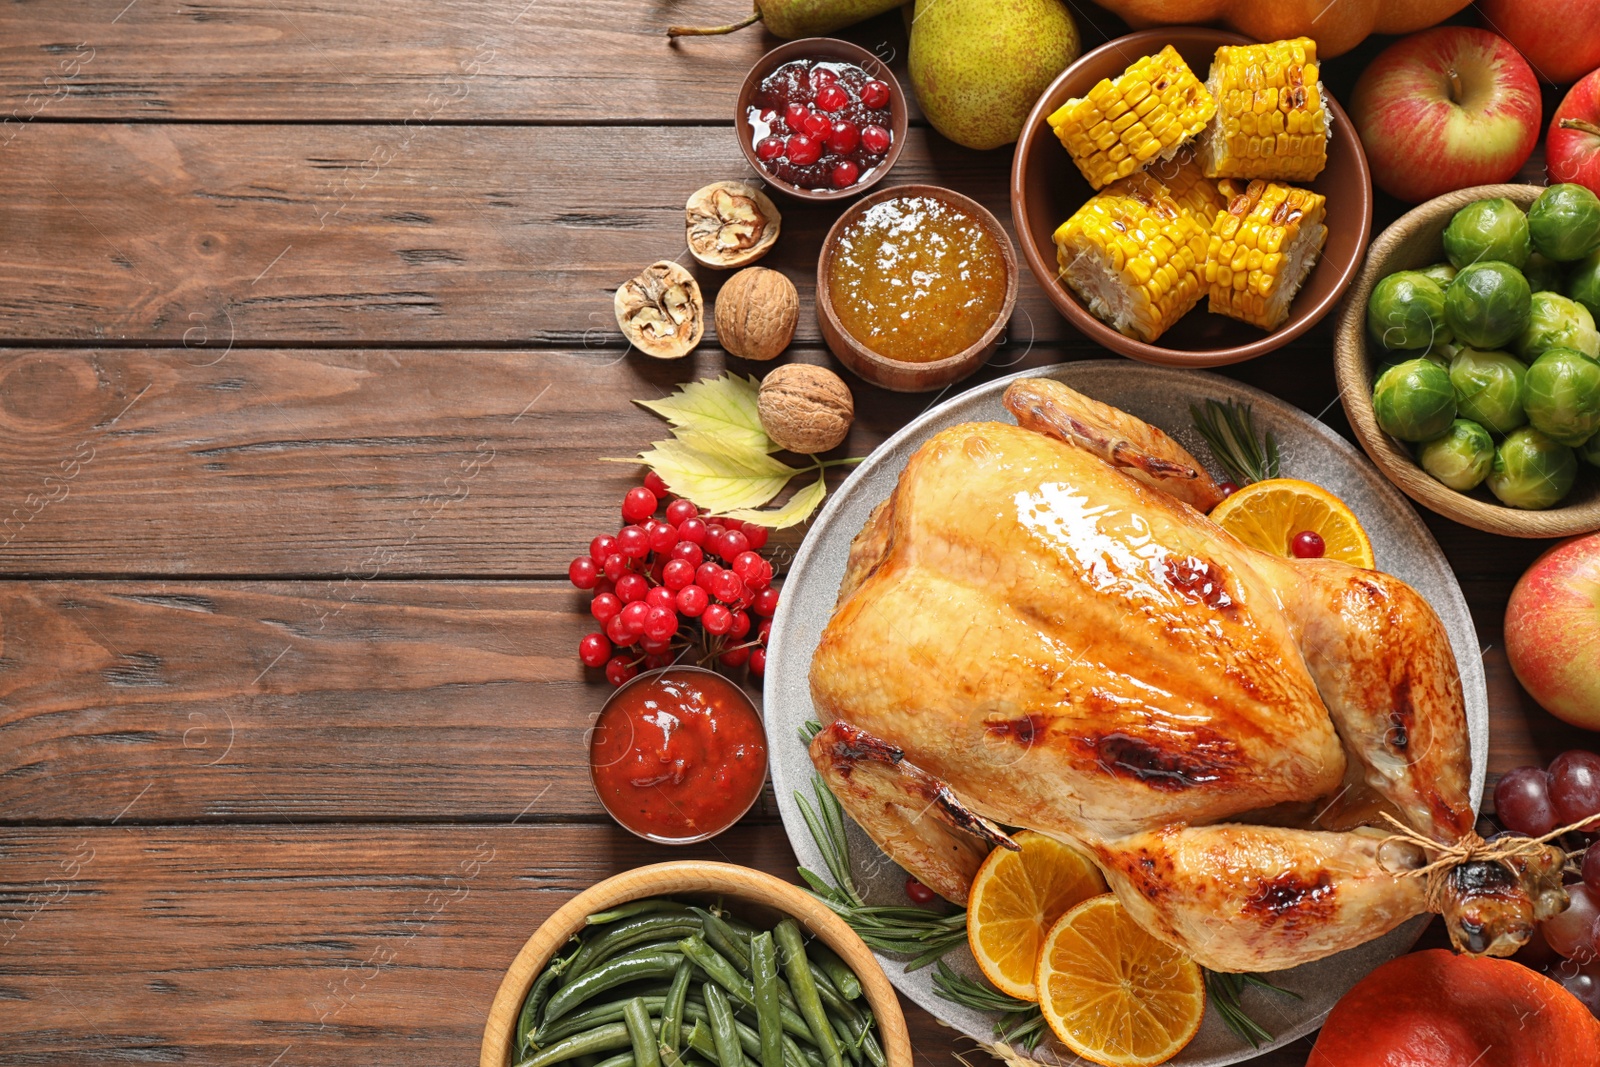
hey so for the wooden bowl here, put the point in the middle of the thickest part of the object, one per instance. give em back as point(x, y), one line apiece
point(1416, 240)
point(760, 896)
point(830, 49)
point(1046, 188)
point(895, 374)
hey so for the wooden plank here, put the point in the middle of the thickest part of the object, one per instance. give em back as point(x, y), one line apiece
point(317, 945)
point(347, 700)
point(602, 62)
point(387, 234)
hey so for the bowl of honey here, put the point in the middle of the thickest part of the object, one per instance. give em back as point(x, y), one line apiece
point(914, 287)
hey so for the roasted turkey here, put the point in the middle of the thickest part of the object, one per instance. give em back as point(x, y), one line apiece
point(1041, 628)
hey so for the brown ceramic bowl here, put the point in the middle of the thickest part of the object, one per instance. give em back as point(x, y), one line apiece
point(752, 894)
point(1416, 240)
point(1046, 188)
point(898, 375)
point(830, 49)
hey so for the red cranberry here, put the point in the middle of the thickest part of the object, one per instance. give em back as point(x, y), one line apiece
point(875, 94)
point(821, 78)
point(1308, 544)
point(794, 115)
point(844, 137)
point(802, 150)
point(875, 139)
point(816, 125)
point(769, 149)
point(844, 174)
point(832, 98)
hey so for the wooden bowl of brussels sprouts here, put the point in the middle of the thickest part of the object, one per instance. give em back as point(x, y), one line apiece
point(1468, 359)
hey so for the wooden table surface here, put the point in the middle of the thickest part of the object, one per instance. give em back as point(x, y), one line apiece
point(307, 361)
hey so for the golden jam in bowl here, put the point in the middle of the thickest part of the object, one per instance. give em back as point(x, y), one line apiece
point(917, 279)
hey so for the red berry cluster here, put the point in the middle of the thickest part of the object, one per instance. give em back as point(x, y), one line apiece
point(1535, 801)
point(821, 124)
point(660, 570)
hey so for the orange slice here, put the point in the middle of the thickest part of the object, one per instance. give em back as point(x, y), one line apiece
point(1267, 515)
point(1015, 897)
point(1114, 994)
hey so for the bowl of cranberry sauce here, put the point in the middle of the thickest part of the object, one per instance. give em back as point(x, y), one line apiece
point(678, 755)
point(821, 119)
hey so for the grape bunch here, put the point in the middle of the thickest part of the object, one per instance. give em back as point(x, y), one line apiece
point(659, 576)
point(1535, 801)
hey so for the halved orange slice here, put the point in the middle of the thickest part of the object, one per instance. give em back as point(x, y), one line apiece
point(1014, 899)
point(1114, 994)
point(1267, 515)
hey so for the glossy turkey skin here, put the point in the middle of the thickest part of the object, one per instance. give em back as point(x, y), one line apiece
point(1071, 649)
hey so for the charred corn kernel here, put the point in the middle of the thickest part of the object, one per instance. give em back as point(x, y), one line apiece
point(1122, 124)
point(1262, 246)
point(1270, 120)
point(1180, 178)
point(1133, 255)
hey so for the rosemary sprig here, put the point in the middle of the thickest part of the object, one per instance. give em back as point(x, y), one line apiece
point(1020, 1023)
point(1231, 432)
point(1223, 991)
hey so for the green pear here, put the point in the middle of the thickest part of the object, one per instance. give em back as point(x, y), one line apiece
point(977, 66)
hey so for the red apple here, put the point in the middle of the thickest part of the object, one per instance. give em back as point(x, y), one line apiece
point(1444, 109)
point(1553, 631)
point(1572, 150)
point(1560, 39)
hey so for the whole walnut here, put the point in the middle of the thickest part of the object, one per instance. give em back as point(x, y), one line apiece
point(805, 408)
point(756, 313)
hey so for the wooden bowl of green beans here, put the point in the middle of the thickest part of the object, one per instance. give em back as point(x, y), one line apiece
point(694, 964)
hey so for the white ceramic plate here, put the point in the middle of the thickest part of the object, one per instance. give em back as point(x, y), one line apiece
point(1310, 450)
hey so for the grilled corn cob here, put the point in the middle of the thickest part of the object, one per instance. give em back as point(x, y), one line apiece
point(1122, 125)
point(1181, 178)
point(1261, 249)
point(1270, 121)
point(1134, 257)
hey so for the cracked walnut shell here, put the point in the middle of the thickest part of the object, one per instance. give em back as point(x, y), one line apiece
point(805, 408)
point(730, 224)
point(756, 313)
point(661, 312)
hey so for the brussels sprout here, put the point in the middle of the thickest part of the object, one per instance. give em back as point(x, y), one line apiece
point(1591, 451)
point(1460, 457)
point(1556, 322)
point(1488, 229)
point(1413, 400)
point(1562, 396)
point(1564, 223)
point(1530, 470)
point(1583, 284)
point(1443, 273)
point(1406, 311)
point(1544, 274)
point(1487, 305)
point(1488, 388)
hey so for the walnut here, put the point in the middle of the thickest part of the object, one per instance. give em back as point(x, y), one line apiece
point(730, 224)
point(805, 408)
point(661, 311)
point(756, 313)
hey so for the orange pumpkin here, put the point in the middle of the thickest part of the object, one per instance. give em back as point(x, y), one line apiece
point(1336, 27)
point(1438, 1009)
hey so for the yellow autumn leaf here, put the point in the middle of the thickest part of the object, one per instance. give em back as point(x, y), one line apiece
point(797, 510)
point(715, 473)
point(724, 407)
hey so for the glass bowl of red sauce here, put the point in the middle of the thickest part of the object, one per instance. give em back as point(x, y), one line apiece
point(678, 755)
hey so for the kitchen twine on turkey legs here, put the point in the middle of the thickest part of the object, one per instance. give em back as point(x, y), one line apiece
point(1470, 848)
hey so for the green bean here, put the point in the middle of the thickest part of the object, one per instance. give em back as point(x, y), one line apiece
point(792, 950)
point(621, 1059)
point(672, 1010)
point(601, 1039)
point(720, 971)
point(636, 907)
point(750, 1041)
point(607, 976)
point(642, 1032)
point(848, 1042)
point(764, 972)
point(839, 973)
point(624, 936)
point(589, 1018)
point(723, 1034)
point(533, 1007)
point(720, 936)
point(874, 1051)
